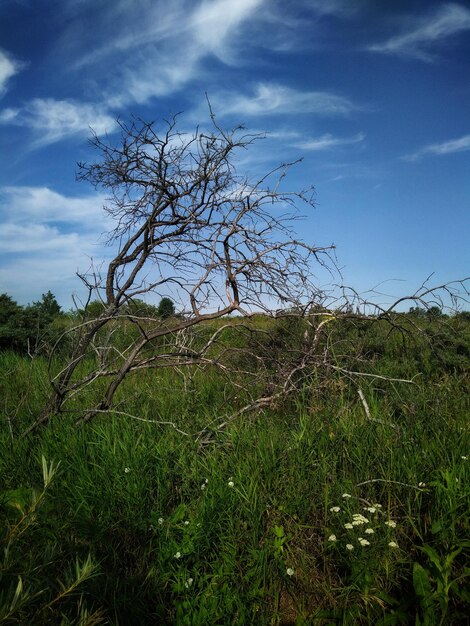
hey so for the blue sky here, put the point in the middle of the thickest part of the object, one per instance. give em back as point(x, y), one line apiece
point(373, 95)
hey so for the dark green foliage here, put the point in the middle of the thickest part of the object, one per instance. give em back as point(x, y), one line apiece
point(93, 310)
point(10, 315)
point(32, 329)
point(139, 308)
point(166, 308)
point(8, 308)
point(47, 308)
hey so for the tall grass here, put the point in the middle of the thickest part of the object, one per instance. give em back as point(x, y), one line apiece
point(140, 524)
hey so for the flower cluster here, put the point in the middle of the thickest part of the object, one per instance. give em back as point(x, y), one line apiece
point(373, 529)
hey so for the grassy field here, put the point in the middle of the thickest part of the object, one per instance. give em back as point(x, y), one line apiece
point(324, 509)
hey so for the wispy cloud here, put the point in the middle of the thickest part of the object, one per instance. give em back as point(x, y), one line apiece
point(52, 120)
point(215, 23)
point(328, 141)
point(449, 20)
point(274, 99)
point(461, 144)
point(8, 68)
point(156, 48)
point(136, 25)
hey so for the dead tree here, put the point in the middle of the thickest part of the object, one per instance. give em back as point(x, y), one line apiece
point(188, 225)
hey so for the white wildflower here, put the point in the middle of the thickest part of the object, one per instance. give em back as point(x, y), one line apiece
point(332, 538)
point(346, 495)
point(289, 571)
point(160, 520)
point(363, 542)
point(371, 509)
point(188, 583)
point(127, 470)
point(392, 544)
point(369, 531)
point(349, 546)
point(391, 523)
point(421, 484)
point(335, 509)
point(377, 505)
point(231, 484)
point(464, 458)
point(178, 555)
point(186, 523)
point(348, 526)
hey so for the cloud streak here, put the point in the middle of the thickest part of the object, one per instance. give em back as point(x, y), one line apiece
point(448, 21)
point(328, 142)
point(53, 120)
point(462, 144)
point(276, 99)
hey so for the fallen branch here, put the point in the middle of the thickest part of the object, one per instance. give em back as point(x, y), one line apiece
point(367, 411)
point(386, 480)
point(136, 417)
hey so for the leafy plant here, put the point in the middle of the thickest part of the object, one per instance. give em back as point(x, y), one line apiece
point(435, 583)
point(24, 598)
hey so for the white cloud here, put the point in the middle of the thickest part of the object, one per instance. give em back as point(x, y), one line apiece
point(26, 277)
point(328, 141)
point(448, 21)
point(8, 68)
point(461, 144)
point(53, 120)
point(274, 99)
point(32, 238)
point(45, 237)
point(26, 204)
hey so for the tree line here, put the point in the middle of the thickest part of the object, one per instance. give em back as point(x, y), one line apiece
point(34, 328)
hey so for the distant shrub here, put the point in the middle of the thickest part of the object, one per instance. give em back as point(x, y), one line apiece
point(166, 308)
